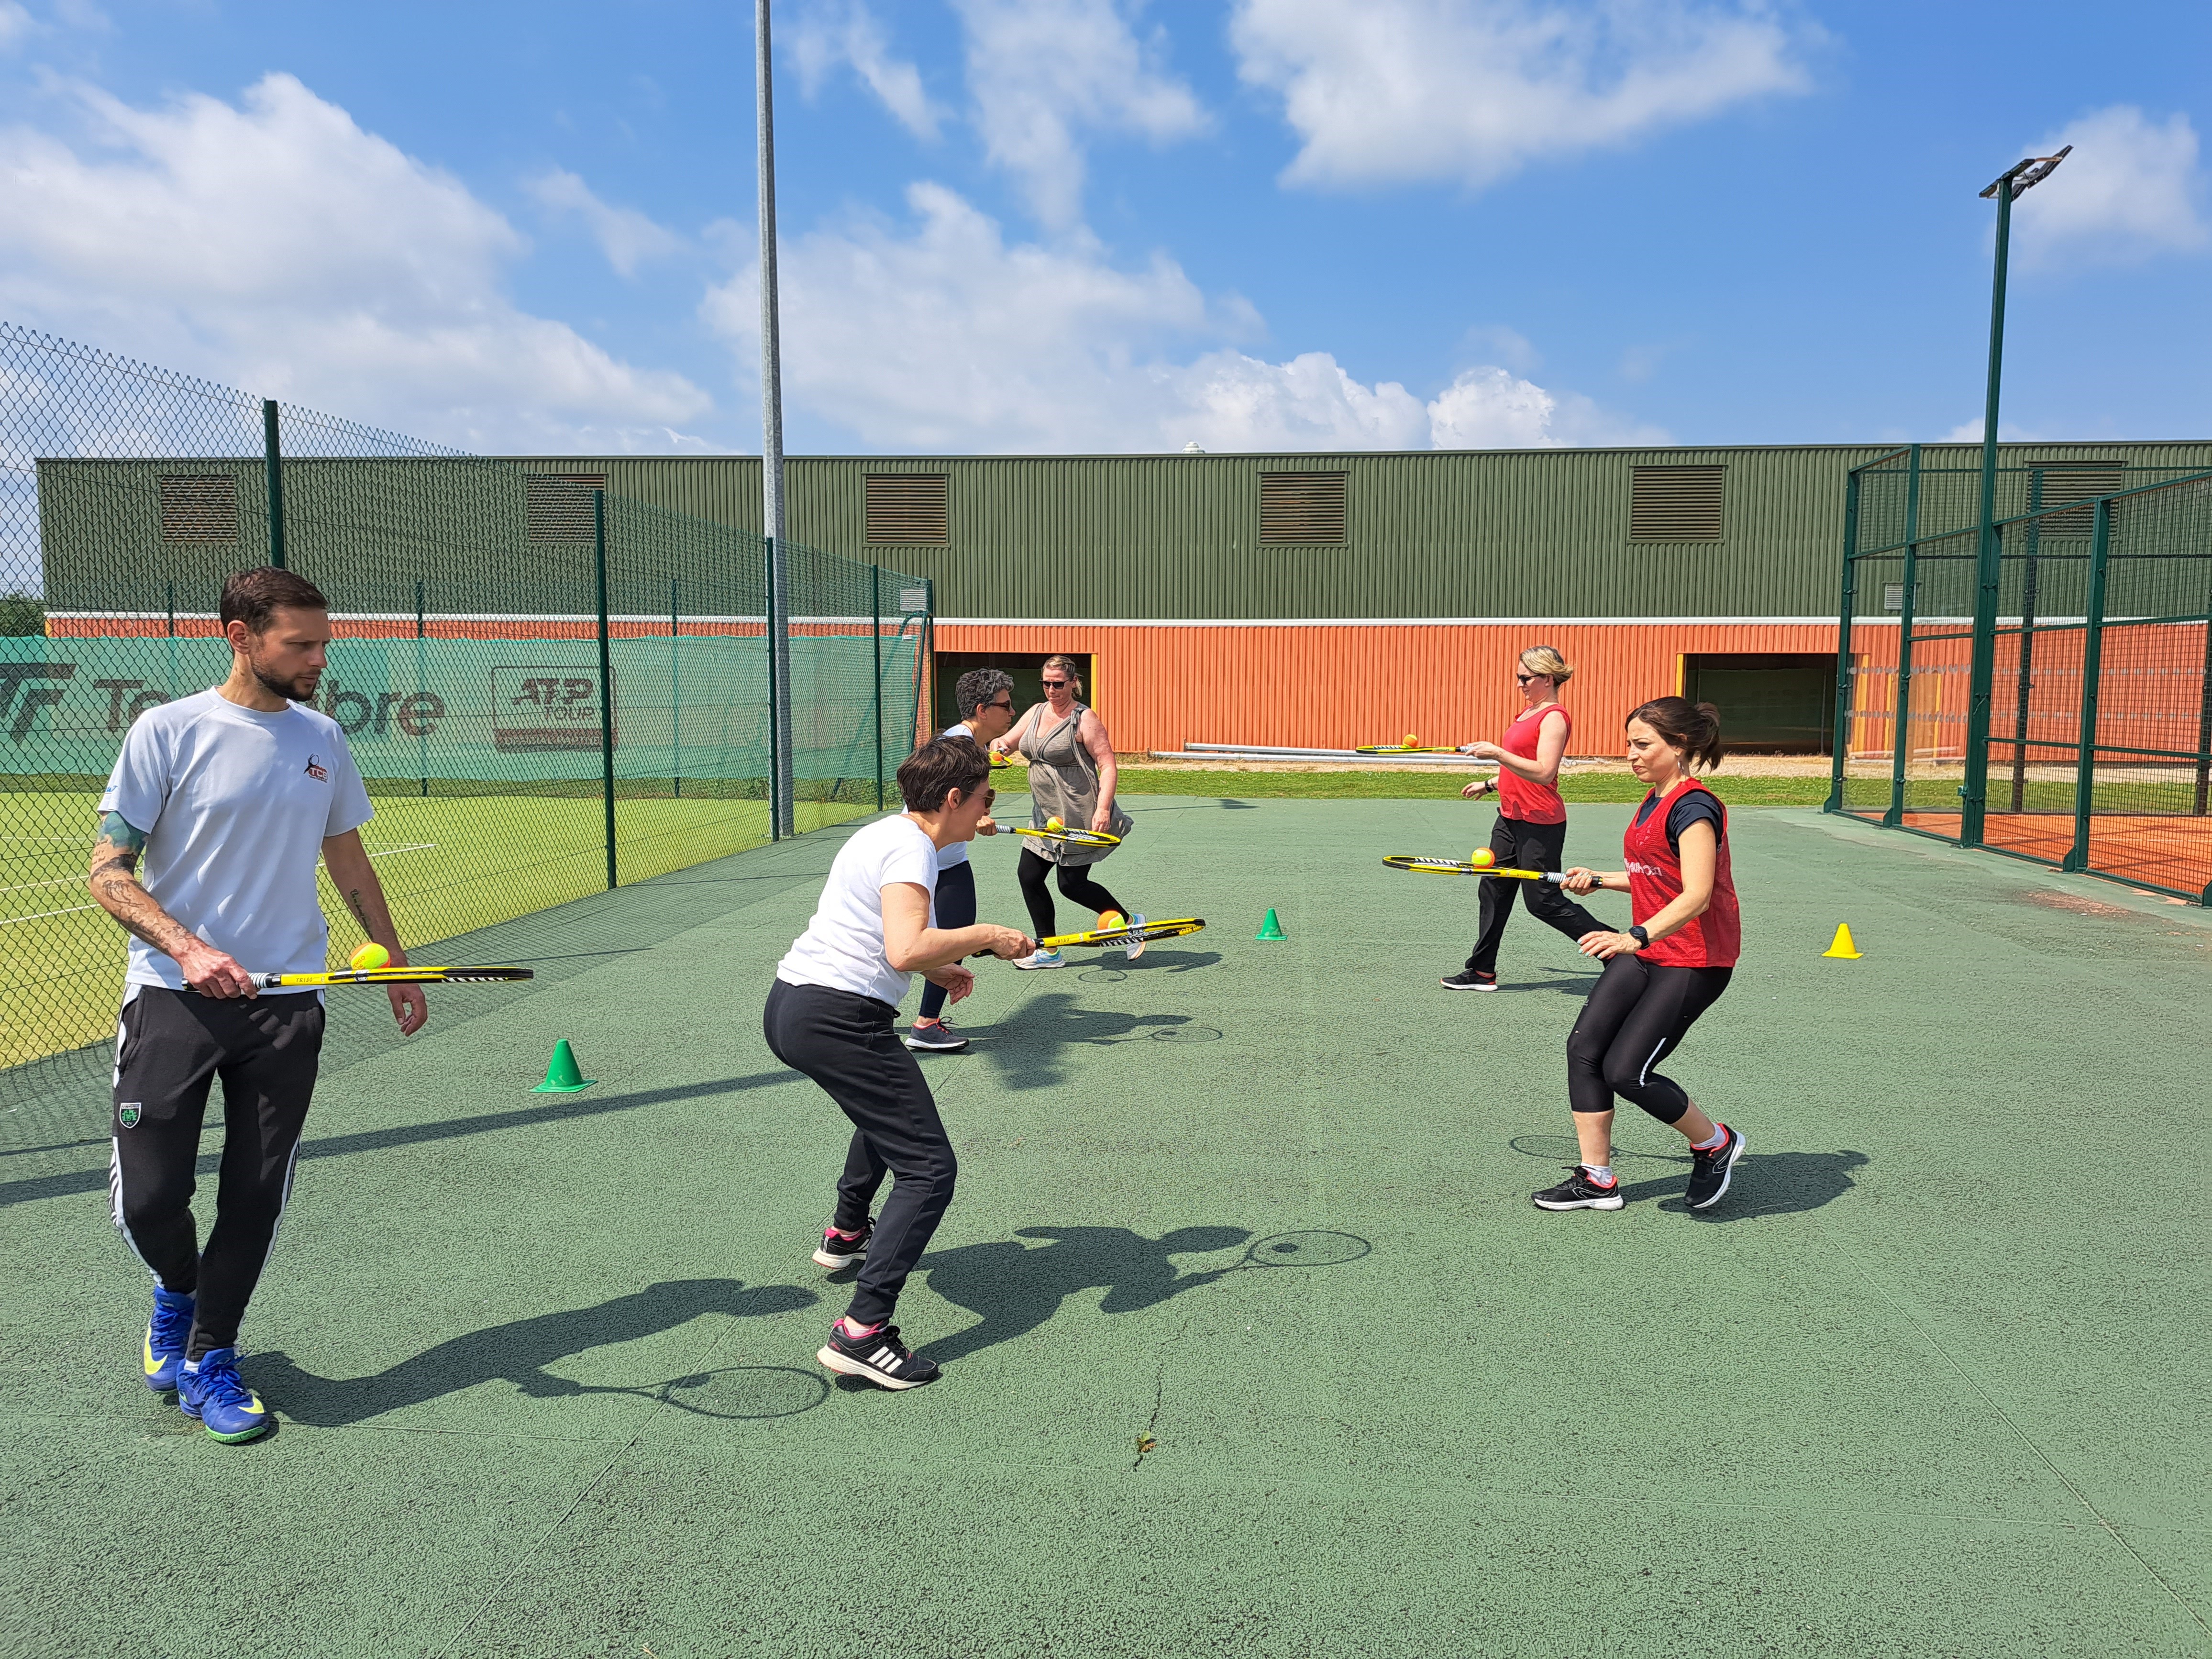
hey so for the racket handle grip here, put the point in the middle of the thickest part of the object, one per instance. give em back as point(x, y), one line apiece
point(266, 982)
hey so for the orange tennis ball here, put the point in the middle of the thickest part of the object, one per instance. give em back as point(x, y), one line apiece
point(1412, 742)
point(370, 956)
point(1482, 857)
point(1054, 824)
point(1110, 919)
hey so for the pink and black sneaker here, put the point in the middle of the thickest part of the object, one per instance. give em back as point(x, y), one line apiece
point(841, 1249)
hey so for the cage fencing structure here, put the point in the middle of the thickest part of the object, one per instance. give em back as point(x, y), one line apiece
point(2050, 697)
point(550, 690)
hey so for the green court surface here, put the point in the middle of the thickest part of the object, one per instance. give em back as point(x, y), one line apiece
point(1931, 1382)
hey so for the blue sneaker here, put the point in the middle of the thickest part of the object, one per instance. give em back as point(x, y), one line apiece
point(172, 1325)
point(211, 1390)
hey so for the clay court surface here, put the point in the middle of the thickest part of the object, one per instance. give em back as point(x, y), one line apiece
point(1930, 1382)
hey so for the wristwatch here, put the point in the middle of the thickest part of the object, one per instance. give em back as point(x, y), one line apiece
point(1641, 937)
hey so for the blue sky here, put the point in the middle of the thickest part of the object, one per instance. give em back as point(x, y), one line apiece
point(1047, 225)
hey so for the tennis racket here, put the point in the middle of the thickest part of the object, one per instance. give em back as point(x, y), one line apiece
point(390, 977)
point(1423, 864)
point(1113, 939)
point(1401, 749)
point(1073, 837)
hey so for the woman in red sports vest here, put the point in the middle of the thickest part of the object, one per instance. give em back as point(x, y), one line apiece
point(1672, 962)
point(1531, 830)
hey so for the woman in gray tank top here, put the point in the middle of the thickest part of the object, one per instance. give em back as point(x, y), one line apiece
point(1072, 778)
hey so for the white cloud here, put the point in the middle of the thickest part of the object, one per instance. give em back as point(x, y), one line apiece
point(944, 336)
point(1041, 71)
point(15, 25)
point(1389, 91)
point(833, 33)
point(275, 245)
point(2131, 189)
point(626, 236)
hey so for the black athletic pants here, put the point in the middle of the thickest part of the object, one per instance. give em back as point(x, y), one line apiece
point(1074, 882)
point(1634, 1017)
point(170, 1046)
point(1518, 844)
point(956, 908)
point(844, 1042)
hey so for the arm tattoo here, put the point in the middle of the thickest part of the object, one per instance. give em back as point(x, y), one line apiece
point(118, 831)
point(115, 883)
point(360, 909)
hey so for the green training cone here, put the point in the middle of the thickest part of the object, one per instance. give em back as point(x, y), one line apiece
point(562, 1075)
point(1271, 928)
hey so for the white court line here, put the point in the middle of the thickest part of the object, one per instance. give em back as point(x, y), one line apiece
point(9, 922)
point(58, 881)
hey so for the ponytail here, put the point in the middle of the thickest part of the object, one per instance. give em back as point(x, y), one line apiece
point(1692, 730)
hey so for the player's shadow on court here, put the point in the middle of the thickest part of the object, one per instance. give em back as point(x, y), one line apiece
point(1028, 1050)
point(519, 1351)
point(1013, 1288)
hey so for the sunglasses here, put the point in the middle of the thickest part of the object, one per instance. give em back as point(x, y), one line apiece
point(1003, 702)
point(1053, 685)
point(1525, 678)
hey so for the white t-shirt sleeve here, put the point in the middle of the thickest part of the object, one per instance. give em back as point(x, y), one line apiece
point(349, 807)
point(910, 860)
point(138, 788)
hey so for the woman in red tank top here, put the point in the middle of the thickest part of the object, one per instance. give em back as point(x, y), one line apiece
point(1672, 963)
point(1531, 831)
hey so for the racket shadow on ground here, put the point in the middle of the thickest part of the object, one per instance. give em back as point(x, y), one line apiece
point(1013, 1287)
point(518, 1352)
point(1025, 1048)
point(1764, 1183)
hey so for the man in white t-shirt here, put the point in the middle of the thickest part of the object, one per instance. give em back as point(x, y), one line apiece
point(985, 698)
point(231, 796)
point(829, 1015)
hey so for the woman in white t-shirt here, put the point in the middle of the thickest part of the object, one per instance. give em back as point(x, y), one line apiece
point(829, 1015)
point(985, 697)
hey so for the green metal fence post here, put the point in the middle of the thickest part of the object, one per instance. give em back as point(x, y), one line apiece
point(876, 621)
point(2204, 727)
point(925, 662)
point(774, 707)
point(422, 683)
point(272, 465)
point(2033, 534)
point(607, 676)
point(1900, 724)
point(2092, 657)
point(675, 697)
point(1841, 737)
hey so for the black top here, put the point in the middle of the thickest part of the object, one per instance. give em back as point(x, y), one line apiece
point(1689, 806)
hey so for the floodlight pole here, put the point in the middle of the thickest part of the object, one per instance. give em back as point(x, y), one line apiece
point(782, 819)
point(1989, 565)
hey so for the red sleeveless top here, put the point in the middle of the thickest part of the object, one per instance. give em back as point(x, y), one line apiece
point(1517, 798)
point(1655, 880)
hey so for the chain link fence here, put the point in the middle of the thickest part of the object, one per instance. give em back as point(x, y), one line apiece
point(551, 691)
point(2096, 668)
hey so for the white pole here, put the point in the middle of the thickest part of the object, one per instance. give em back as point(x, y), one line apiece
point(784, 821)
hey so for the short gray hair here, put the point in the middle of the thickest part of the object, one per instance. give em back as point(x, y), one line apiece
point(979, 686)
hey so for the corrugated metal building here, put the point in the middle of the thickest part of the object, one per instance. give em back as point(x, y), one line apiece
point(1331, 600)
point(1322, 600)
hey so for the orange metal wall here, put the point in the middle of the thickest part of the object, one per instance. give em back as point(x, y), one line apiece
point(1336, 685)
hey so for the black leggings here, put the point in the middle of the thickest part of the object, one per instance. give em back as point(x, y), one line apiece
point(844, 1042)
point(1520, 845)
point(1074, 881)
point(1635, 1018)
point(955, 906)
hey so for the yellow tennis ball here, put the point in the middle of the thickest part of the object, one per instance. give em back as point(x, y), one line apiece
point(1483, 857)
point(1412, 742)
point(370, 956)
point(1054, 824)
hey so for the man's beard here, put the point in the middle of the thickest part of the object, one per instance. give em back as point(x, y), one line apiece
point(300, 689)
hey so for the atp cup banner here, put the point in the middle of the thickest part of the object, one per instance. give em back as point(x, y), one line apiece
point(509, 710)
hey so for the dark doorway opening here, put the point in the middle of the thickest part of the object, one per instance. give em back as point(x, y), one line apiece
point(1771, 702)
point(1027, 668)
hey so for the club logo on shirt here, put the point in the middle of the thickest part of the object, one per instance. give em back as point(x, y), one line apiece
point(126, 1114)
point(317, 770)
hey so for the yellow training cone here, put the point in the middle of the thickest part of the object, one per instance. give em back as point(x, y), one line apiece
point(1843, 947)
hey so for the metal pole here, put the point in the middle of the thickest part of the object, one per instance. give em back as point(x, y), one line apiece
point(423, 684)
point(771, 366)
point(2092, 659)
point(272, 464)
point(2027, 598)
point(1988, 561)
point(876, 621)
point(775, 831)
point(1841, 736)
point(607, 676)
point(2205, 725)
point(675, 696)
point(925, 667)
point(1901, 724)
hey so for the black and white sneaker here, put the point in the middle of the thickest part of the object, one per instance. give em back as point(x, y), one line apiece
point(1579, 1191)
point(839, 1251)
point(1464, 981)
point(879, 1357)
point(936, 1038)
point(1710, 1171)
